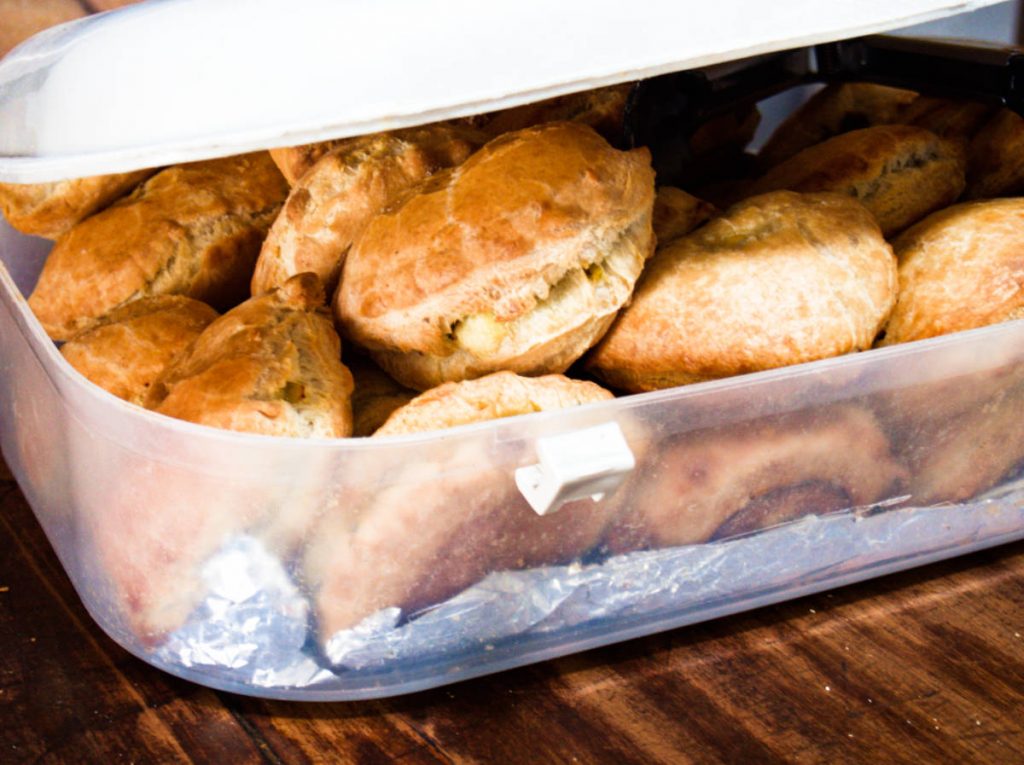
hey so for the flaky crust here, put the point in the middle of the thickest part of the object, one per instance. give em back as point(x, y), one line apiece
point(50, 209)
point(778, 279)
point(130, 347)
point(502, 394)
point(835, 109)
point(959, 268)
point(271, 366)
point(677, 213)
point(740, 478)
point(485, 267)
point(995, 157)
point(190, 230)
point(296, 161)
point(899, 172)
point(330, 205)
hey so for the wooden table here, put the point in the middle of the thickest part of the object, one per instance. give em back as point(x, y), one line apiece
point(921, 667)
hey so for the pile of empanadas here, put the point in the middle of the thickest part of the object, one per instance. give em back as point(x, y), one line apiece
point(518, 262)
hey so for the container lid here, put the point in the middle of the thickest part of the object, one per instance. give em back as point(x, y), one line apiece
point(177, 80)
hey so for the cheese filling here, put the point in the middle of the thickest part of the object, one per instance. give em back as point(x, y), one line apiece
point(596, 288)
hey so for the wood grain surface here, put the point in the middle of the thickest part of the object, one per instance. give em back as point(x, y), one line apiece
point(921, 667)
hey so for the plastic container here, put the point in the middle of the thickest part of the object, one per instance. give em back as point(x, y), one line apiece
point(347, 569)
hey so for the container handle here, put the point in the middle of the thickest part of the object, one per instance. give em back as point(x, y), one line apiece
point(584, 463)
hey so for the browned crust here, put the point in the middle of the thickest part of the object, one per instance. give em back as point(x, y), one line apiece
point(192, 230)
point(271, 365)
point(779, 279)
point(995, 158)
point(502, 394)
point(737, 478)
point(492, 237)
point(50, 209)
point(129, 348)
point(960, 268)
point(296, 161)
point(677, 213)
point(837, 108)
point(330, 205)
point(899, 172)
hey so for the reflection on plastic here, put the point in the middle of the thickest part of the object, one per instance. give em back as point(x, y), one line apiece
point(254, 622)
point(254, 627)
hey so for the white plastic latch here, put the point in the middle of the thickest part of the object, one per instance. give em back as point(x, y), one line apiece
point(584, 463)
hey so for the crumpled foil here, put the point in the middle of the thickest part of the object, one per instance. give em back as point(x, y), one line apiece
point(255, 628)
point(701, 579)
point(253, 625)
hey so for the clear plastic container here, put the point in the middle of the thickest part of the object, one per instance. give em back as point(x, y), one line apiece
point(347, 569)
point(277, 567)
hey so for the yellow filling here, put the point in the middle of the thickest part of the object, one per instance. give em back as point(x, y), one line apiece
point(480, 334)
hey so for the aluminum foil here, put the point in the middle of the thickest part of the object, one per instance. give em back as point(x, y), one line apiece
point(255, 626)
point(695, 578)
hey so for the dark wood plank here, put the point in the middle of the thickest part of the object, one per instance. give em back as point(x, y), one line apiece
point(922, 666)
point(367, 732)
point(925, 666)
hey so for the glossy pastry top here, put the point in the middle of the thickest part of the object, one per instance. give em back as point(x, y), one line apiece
point(190, 230)
point(50, 209)
point(497, 263)
point(331, 204)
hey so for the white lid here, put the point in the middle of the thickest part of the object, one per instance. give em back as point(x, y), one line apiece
point(176, 80)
